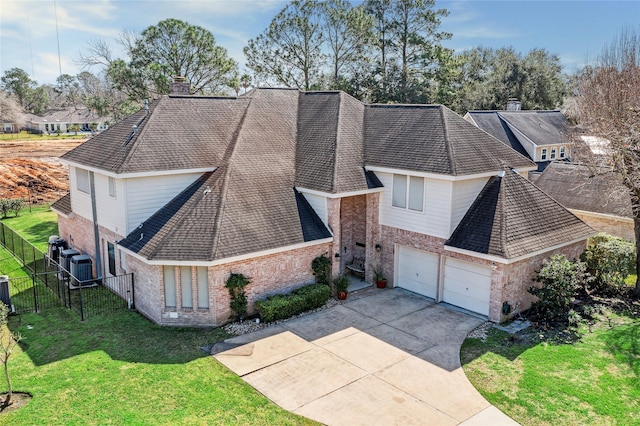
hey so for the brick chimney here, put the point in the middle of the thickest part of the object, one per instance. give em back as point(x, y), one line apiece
point(179, 86)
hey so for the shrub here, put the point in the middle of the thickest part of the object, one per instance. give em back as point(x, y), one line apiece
point(341, 282)
point(609, 260)
point(236, 284)
point(321, 266)
point(283, 306)
point(562, 280)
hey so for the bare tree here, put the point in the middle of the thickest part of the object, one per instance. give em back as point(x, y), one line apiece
point(608, 107)
point(8, 342)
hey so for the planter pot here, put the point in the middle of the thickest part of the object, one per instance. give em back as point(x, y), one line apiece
point(381, 283)
point(342, 295)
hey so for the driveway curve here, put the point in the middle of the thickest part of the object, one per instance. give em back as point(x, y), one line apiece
point(384, 356)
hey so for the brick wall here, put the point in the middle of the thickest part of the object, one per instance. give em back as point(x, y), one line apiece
point(353, 217)
point(620, 227)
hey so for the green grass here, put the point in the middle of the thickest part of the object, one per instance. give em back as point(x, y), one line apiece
point(35, 226)
point(594, 381)
point(24, 136)
point(120, 369)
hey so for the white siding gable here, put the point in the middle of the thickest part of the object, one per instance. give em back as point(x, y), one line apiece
point(464, 194)
point(146, 195)
point(319, 205)
point(435, 217)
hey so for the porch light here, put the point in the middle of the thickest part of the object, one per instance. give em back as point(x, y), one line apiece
point(378, 248)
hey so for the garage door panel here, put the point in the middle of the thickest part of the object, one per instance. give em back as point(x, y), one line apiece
point(467, 285)
point(418, 271)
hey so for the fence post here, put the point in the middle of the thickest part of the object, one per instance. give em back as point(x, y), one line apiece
point(35, 292)
point(133, 293)
point(80, 297)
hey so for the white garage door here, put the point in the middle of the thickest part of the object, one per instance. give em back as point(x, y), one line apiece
point(417, 271)
point(467, 285)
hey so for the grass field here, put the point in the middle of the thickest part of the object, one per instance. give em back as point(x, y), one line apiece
point(24, 136)
point(35, 226)
point(595, 381)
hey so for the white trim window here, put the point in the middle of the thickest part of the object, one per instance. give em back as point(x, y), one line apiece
point(82, 180)
point(169, 287)
point(112, 187)
point(543, 154)
point(203, 287)
point(185, 286)
point(562, 152)
point(553, 153)
point(409, 195)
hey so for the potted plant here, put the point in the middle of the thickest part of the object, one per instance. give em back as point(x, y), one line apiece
point(381, 281)
point(341, 282)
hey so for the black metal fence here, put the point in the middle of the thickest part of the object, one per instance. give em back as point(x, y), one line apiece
point(51, 285)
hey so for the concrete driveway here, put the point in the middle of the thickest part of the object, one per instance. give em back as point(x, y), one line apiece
point(385, 356)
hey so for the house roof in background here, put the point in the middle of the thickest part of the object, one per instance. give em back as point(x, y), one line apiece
point(511, 217)
point(68, 115)
point(579, 187)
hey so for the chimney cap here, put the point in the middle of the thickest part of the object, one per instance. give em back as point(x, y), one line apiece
point(179, 79)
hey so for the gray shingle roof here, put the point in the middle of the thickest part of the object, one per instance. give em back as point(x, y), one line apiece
point(432, 139)
point(580, 188)
point(63, 205)
point(490, 122)
point(511, 217)
point(541, 127)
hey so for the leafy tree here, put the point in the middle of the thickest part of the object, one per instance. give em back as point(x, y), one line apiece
point(608, 105)
point(17, 82)
point(348, 33)
point(488, 78)
point(409, 53)
point(239, 304)
point(67, 90)
point(289, 50)
point(176, 48)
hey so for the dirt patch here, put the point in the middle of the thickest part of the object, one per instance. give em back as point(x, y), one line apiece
point(31, 169)
point(18, 400)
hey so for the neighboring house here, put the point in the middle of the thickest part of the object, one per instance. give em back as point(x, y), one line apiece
point(597, 198)
point(61, 121)
point(196, 188)
point(540, 135)
point(9, 126)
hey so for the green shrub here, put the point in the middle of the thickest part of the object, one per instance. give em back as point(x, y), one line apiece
point(341, 282)
point(283, 306)
point(609, 260)
point(236, 284)
point(321, 267)
point(561, 281)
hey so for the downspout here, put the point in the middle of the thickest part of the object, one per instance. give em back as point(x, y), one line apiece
point(96, 232)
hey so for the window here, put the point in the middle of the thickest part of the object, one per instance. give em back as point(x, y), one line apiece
point(185, 285)
point(562, 152)
point(203, 288)
point(111, 251)
point(123, 260)
point(399, 191)
point(82, 177)
point(169, 287)
point(112, 187)
point(413, 192)
point(543, 155)
point(46, 127)
point(553, 153)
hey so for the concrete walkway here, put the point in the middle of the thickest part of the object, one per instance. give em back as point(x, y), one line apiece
point(385, 357)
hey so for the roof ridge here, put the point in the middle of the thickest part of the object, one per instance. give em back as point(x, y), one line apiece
point(447, 142)
point(503, 213)
point(226, 161)
point(334, 181)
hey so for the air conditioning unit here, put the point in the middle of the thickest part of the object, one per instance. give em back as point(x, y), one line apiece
point(56, 245)
point(65, 262)
point(81, 270)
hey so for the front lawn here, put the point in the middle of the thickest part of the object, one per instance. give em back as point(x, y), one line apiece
point(594, 381)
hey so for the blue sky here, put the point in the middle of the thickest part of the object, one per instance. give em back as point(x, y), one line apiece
point(574, 30)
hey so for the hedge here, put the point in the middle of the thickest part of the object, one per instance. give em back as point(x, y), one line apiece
point(283, 306)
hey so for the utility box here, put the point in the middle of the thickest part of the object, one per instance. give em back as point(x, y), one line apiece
point(56, 245)
point(81, 268)
point(5, 297)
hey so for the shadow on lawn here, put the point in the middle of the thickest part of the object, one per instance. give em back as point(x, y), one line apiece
point(57, 333)
point(497, 342)
point(624, 343)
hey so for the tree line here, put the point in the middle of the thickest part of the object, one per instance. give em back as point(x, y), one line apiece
point(379, 51)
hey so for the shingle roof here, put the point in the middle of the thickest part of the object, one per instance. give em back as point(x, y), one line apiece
point(248, 204)
point(178, 133)
point(580, 188)
point(68, 115)
point(541, 127)
point(432, 139)
point(511, 217)
point(63, 205)
point(490, 122)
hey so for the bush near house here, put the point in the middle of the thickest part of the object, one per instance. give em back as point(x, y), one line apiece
point(283, 306)
point(610, 260)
